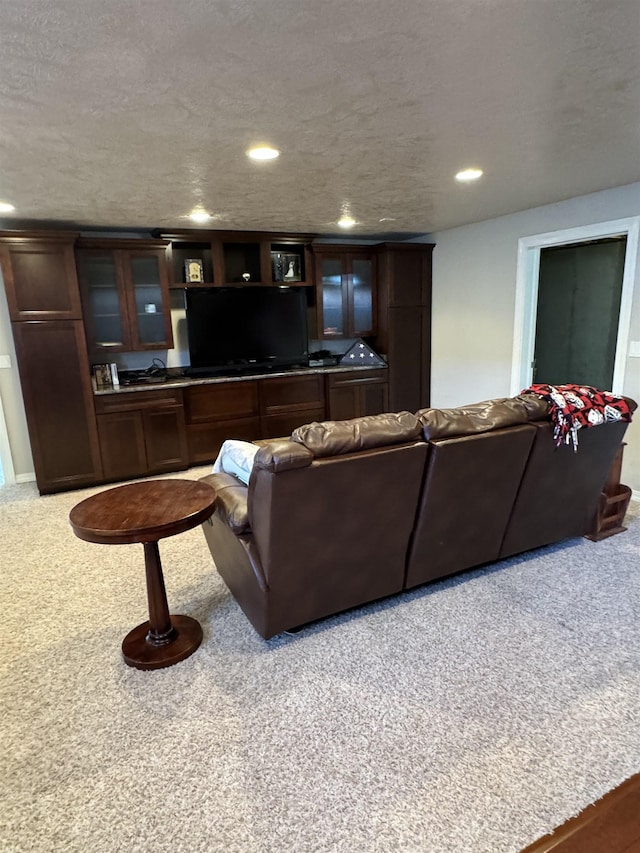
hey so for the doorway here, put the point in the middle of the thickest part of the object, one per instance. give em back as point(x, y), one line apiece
point(579, 292)
point(527, 284)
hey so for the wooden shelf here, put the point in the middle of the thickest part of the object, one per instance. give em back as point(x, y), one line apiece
point(613, 505)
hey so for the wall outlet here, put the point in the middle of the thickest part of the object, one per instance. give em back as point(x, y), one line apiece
point(5, 361)
point(634, 349)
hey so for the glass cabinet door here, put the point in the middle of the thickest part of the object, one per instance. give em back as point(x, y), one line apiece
point(361, 296)
point(148, 303)
point(104, 301)
point(346, 280)
point(333, 309)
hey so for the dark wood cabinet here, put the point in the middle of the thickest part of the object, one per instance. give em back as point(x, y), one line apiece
point(404, 322)
point(58, 402)
point(125, 295)
point(122, 445)
point(73, 300)
point(45, 308)
point(142, 432)
point(345, 291)
point(354, 395)
point(40, 276)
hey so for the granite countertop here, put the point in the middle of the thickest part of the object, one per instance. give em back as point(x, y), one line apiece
point(178, 380)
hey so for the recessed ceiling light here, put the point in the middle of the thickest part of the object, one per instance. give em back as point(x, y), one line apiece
point(5, 207)
point(467, 175)
point(346, 222)
point(199, 216)
point(263, 153)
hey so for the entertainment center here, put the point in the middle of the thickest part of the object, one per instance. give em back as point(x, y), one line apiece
point(76, 300)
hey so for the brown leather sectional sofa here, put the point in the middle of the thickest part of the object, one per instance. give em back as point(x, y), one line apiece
point(348, 512)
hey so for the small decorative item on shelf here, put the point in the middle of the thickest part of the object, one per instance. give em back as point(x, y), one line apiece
point(193, 270)
point(246, 276)
point(285, 267)
point(361, 354)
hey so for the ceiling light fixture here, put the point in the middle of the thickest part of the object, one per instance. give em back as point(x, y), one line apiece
point(263, 153)
point(5, 207)
point(346, 222)
point(387, 219)
point(467, 175)
point(199, 216)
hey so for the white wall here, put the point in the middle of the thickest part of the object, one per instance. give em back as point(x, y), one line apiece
point(11, 396)
point(474, 275)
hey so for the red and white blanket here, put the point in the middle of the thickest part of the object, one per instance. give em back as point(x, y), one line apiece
point(573, 407)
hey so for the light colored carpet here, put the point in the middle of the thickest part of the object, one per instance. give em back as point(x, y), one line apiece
point(473, 715)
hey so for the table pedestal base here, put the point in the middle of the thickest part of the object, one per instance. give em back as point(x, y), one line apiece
point(143, 653)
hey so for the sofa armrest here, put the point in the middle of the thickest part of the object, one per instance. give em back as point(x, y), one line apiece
point(231, 500)
point(282, 455)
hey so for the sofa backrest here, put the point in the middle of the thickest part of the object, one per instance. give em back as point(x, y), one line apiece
point(561, 488)
point(331, 438)
point(333, 532)
point(481, 417)
point(470, 485)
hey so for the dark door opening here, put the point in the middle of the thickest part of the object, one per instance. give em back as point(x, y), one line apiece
point(579, 293)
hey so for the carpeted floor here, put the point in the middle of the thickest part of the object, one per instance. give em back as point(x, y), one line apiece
point(471, 716)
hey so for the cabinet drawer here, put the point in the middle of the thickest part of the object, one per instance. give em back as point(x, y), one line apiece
point(137, 400)
point(360, 377)
point(291, 394)
point(222, 402)
point(281, 426)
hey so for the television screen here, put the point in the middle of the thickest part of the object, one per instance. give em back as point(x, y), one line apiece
point(244, 328)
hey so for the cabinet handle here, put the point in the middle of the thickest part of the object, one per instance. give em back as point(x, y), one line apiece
point(357, 381)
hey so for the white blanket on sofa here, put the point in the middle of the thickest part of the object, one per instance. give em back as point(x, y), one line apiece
point(236, 457)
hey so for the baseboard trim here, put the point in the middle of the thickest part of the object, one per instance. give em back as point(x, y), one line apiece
point(25, 478)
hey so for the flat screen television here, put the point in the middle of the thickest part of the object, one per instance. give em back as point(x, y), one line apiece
point(246, 328)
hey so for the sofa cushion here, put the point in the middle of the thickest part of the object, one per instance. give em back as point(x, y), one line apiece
point(331, 438)
point(478, 417)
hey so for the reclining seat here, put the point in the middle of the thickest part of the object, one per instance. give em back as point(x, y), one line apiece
point(325, 522)
point(478, 455)
point(561, 488)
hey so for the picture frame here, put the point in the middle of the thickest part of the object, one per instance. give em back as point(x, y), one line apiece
point(102, 376)
point(286, 267)
point(193, 270)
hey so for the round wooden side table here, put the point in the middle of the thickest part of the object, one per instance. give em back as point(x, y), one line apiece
point(146, 512)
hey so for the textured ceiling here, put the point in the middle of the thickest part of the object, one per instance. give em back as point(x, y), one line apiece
point(129, 113)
